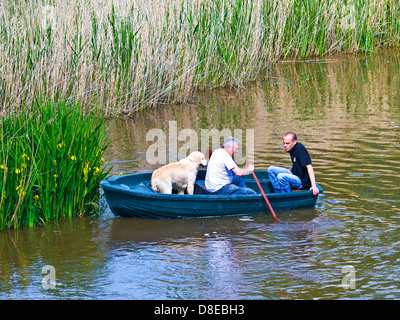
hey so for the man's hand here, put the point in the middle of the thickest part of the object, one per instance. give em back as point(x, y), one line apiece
point(312, 178)
point(315, 190)
point(243, 172)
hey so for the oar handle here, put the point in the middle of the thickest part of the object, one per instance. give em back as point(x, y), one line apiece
point(262, 192)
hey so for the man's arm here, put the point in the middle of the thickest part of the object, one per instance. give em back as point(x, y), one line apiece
point(312, 179)
point(243, 172)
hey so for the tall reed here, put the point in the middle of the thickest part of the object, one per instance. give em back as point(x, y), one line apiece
point(125, 55)
point(50, 163)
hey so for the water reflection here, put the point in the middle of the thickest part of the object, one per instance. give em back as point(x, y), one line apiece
point(345, 110)
point(200, 259)
point(72, 247)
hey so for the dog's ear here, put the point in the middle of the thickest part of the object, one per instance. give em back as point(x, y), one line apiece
point(197, 158)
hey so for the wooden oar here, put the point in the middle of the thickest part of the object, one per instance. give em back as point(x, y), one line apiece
point(262, 191)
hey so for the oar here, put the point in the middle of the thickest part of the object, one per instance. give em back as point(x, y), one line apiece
point(262, 191)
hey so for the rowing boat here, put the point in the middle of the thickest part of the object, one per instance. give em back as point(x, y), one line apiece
point(132, 196)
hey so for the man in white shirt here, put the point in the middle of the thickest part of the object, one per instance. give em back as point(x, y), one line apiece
point(223, 175)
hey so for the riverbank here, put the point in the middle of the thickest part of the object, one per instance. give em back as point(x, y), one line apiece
point(128, 55)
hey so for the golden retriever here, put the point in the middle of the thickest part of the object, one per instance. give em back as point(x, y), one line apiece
point(179, 175)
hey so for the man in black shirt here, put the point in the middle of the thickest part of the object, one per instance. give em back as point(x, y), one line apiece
point(301, 176)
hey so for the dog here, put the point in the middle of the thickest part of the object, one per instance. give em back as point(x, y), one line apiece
point(179, 175)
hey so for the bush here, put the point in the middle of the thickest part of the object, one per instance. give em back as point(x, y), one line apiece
point(50, 163)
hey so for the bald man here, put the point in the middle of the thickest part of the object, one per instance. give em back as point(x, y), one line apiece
point(301, 176)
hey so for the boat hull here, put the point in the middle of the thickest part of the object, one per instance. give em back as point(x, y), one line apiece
point(130, 196)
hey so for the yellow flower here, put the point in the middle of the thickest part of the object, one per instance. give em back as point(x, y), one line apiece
point(85, 174)
point(121, 174)
point(36, 197)
point(55, 175)
point(25, 156)
point(17, 171)
point(96, 169)
point(55, 162)
point(2, 166)
point(101, 160)
point(20, 185)
point(60, 145)
point(73, 158)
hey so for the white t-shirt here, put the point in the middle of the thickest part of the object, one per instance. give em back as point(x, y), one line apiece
point(219, 171)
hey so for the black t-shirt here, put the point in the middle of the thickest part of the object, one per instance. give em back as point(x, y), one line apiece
point(300, 159)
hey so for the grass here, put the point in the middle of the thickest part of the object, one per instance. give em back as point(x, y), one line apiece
point(127, 55)
point(51, 164)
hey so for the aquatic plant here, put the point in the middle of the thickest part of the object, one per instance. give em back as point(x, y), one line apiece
point(50, 163)
point(126, 55)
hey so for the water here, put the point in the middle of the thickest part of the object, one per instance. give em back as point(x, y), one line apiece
point(345, 110)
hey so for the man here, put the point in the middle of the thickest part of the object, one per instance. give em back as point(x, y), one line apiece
point(223, 176)
point(301, 176)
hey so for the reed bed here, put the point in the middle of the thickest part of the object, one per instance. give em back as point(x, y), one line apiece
point(129, 54)
point(50, 163)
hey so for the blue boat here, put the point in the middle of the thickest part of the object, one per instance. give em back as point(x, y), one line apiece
point(132, 196)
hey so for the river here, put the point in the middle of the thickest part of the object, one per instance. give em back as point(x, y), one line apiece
point(344, 109)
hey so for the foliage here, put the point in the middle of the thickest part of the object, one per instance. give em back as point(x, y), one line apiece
point(50, 163)
point(126, 55)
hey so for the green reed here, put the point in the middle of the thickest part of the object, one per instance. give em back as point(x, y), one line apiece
point(126, 55)
point(50, 163)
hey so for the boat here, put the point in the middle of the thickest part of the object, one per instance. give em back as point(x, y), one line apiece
point(132, 196)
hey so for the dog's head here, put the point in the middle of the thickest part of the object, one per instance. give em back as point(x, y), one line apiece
point(198, 158)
